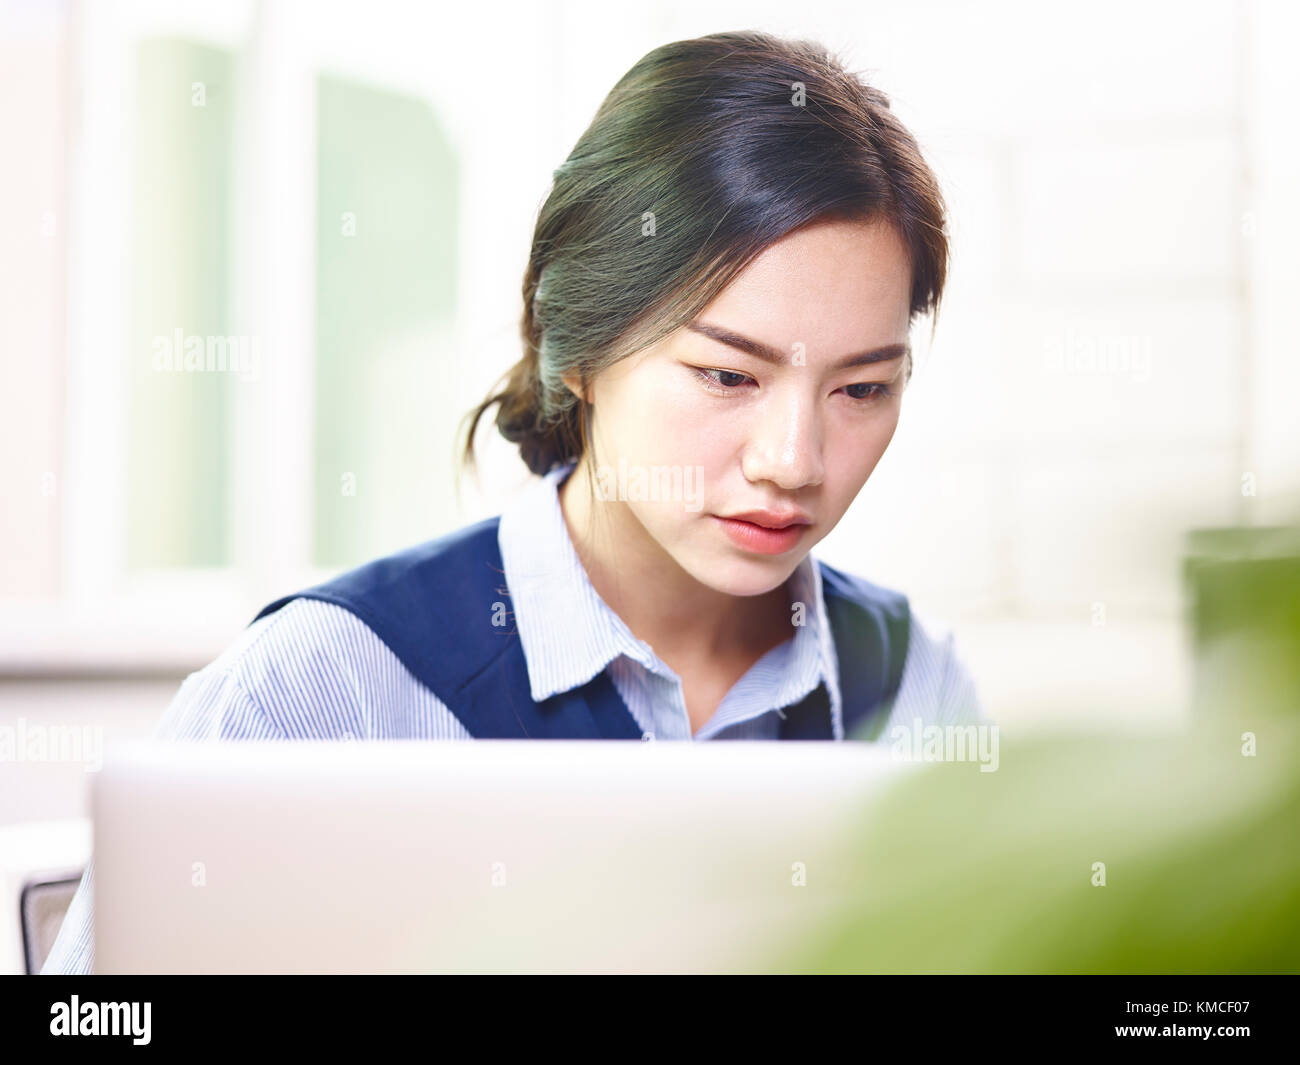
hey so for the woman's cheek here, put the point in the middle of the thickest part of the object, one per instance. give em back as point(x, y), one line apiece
point(684, 406)
point(871, 448)
point(651, 426)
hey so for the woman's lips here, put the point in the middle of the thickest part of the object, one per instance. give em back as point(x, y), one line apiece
point(758, 539)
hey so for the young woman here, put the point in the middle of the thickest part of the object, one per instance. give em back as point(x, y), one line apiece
point(716, 314)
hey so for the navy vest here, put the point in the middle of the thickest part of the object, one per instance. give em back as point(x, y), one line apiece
point(440, 608)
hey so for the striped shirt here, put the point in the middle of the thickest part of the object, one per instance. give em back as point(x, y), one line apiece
point(313, 670)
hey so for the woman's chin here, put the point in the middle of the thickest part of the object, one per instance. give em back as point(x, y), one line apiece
point(743, 577)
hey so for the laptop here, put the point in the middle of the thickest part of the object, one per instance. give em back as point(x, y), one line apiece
point(489, 856)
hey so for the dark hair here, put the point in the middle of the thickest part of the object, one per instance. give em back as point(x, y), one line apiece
point(704, 154)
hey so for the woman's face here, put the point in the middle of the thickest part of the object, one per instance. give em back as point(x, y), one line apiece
point(697, 429)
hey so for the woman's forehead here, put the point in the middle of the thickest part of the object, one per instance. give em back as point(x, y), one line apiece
point(856, 272)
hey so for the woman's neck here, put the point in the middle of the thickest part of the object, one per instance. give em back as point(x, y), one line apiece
point(688, 624)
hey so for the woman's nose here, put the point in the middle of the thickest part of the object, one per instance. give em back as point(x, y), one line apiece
point(785, 445)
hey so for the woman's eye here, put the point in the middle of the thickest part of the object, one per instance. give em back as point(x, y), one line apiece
point(728, 380)
point(731, 381)
point(875, 389)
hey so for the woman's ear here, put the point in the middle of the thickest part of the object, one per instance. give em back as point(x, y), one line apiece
point(574, 384)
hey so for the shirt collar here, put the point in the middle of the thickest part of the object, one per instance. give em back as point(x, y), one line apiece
point(569, 634)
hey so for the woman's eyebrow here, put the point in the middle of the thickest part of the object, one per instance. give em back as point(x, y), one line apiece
point(769, 354)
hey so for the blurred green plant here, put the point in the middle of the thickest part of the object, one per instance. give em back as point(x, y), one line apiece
point(1095, 853)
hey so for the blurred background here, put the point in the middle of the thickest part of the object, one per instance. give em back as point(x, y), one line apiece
point(340, 197)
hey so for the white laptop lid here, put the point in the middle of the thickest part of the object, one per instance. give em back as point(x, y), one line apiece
point(482, 856)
